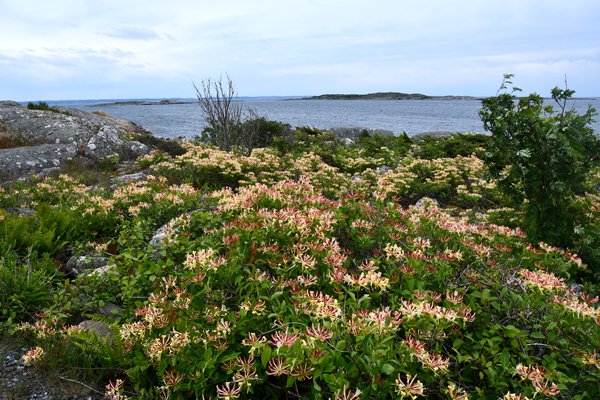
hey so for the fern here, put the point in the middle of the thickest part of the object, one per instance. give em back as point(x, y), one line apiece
point(86, 355)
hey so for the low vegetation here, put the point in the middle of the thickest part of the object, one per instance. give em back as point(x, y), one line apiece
point(43, 106)
point(314, 267)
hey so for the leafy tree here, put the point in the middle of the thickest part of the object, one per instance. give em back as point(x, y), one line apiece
point(540, 155)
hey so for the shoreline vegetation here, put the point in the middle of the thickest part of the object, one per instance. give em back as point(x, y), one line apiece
point(309, 264)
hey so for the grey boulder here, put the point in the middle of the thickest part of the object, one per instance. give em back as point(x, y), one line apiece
point(42, 140)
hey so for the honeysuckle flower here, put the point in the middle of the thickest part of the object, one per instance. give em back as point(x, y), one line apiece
point(592, 358)
point(580, 308)
point(245, 377)
point(244, 363)
point(416, 347)
point(434, 362)
point(542, 280)
point(33, 355)
point(455, 297)
point(113, 390)
point(531, 372)
point(393, 251)
point(347, 394)
point(281, 339)
point(457, 393)
point(545, 387)
point(157, 347)
point(319, 333)
point(411, 388)
point(199, 258)
point(302, 371)
point(229, 391)
point(513, 396)
point(588, 299)
point(278, 367)
point(171, 377)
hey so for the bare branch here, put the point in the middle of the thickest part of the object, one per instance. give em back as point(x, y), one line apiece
point(223, 114)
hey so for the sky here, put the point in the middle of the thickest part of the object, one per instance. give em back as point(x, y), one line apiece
point(67, 49)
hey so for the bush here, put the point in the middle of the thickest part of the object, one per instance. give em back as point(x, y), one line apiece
point(541, 157)
point(267, 130)
point(460, 144)
point(43, 106)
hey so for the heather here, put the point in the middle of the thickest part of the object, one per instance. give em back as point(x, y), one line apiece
point(315, 267)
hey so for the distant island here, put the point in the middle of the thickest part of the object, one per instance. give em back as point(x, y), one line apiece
point(144, 103)
point(386, 96)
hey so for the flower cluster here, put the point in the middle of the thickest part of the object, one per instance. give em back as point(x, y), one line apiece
point(536, 375)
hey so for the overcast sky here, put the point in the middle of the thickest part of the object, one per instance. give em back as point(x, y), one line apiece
point(67, 49)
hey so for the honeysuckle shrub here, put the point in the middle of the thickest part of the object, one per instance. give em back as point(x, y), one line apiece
point(281, 275)
point(280, 291)
point(458, 181)
point(292, 292)
point(59, 212)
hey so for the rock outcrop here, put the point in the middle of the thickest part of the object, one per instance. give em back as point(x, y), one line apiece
point(38, 141)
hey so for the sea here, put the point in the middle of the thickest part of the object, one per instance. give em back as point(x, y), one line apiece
point(397, 116)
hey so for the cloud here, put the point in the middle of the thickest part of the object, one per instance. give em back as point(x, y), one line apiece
point(131, 33)
point(297, 46)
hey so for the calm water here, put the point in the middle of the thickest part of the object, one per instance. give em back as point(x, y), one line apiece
point(410, 116)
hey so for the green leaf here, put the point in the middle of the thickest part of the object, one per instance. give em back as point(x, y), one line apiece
point(538, 335)
point(276, 295)
point(316, 386)
point(505, 356)
point(290, 381)
point(387, 369)
point(265, 356)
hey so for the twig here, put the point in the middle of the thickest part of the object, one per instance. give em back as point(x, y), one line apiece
point(80, 383)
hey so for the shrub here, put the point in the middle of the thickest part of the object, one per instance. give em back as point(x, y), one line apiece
point(267, 130)
point(460, 144)
point(41, 105)
point(541, 157)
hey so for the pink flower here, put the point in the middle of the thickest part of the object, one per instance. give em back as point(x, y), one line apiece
point(228, 392)
point(286, 338)
point(319, 333)
point(277, 367)
point(347, 394)
point(412, 388)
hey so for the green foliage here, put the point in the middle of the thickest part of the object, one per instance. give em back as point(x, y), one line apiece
point(43, 232)
point(465, 144)
point(25, 286)
point(41, 105)
point(267, 130)
point(541, 156)
point(304, 270)
point(171, 147)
